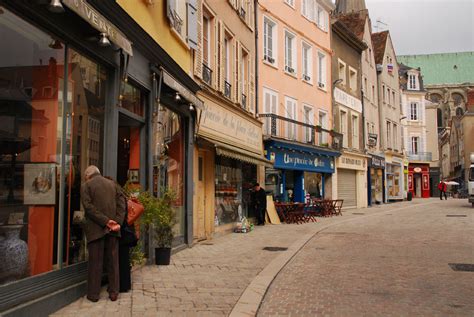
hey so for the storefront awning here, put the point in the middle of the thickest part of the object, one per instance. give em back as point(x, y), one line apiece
point(183, 91)
point(100, 23)
point(239, 154)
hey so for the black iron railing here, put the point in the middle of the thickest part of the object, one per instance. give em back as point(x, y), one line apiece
point(206, 74)
point(285, 128)
point(419, 156)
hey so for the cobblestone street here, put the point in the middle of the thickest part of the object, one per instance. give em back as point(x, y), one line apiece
point(387, 264)
point(385, 260)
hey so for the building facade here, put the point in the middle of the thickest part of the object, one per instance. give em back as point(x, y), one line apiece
point(229, 149)
point(355, 15)
point(348, 111)
point(414, 132)
point(75, 92)
point(449, 81)
point(390, 113)
point(294, 98)
point(432, 146)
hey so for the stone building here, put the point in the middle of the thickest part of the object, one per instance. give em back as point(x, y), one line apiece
point(348, 113)
point(449, 82)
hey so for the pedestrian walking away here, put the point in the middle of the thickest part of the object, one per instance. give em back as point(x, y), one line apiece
point(259, 203)
point(442, 190)
point(103, 216)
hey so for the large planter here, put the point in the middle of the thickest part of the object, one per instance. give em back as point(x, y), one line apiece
point(162, 256)
point(14, 251)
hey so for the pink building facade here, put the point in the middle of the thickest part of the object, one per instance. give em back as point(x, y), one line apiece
point(295, 96)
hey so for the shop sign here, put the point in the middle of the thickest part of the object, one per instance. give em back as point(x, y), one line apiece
point(302, 161)
point(97, 21)
point(376, 161)
point(417, 170)
point(225, 125)
point(351, 162)
point(347, 100)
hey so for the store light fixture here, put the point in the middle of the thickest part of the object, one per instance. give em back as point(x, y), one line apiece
point(177, 97)
point(191, 107)
point(55, 44)
point(56, 6)
point(104, 40)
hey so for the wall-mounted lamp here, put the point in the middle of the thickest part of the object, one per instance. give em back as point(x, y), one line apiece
point(56, 6)
point(404, 117)
point(177, 97)
point(55, 44)
point(191, 107)
point(337, 81)
point(104, 40)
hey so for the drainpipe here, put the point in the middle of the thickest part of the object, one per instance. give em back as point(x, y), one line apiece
point(363, 119)
point(255, 6)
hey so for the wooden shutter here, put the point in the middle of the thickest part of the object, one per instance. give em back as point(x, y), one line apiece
point(198, 49)
point(250, 85)
point(193, 24)
point(215, 55)
point(237, 55)
point(221, 56)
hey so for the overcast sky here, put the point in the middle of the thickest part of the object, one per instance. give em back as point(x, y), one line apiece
point(426, 26)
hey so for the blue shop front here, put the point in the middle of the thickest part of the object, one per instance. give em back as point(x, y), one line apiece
point(299, 172)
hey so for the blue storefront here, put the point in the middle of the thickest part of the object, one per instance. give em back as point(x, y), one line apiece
point(298, 171)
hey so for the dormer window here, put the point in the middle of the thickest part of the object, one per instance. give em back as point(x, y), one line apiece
point(412, 82)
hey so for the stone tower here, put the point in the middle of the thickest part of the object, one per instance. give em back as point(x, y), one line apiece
point(348, 6)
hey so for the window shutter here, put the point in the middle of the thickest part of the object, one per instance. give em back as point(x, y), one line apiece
point(193, 30)
point(198, 48)
point(251, 85)
point(236, 64)
point(170, 7)
point(221, 56)
point(215, 55)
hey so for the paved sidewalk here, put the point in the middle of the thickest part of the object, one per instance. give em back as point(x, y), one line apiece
point(209, 278)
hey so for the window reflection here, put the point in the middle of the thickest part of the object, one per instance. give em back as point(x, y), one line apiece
point(168, 161)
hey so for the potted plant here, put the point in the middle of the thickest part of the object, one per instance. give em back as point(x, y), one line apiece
point(160, 217)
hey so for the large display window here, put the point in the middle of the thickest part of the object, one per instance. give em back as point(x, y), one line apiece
point(168, 162)
point(234, 181)
point(51, 129)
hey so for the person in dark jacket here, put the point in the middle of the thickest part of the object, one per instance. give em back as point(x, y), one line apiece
point(259, 203)
point(103, 217)
point(442, 190)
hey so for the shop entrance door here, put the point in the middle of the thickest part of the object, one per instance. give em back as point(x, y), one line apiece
point(128, 151)
point(200, 226)
point(417, 184)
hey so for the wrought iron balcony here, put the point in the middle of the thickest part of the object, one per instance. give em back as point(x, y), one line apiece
point(289, 129)
point(206, 74)
point(244, 101)
point(419, 156)
point(227, 89)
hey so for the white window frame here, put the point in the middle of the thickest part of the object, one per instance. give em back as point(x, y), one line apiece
point(291, 133)
point(308, 114)
point(355, 131)
point(414, 111)
point(352, 79)
point(395, 136)
point(342, 76)
point(323, 138)
point(415, 144)
point(290, 3)
point(228, 63)
point(307, 9)
point(270, 109)
point(321, 18)
point(208, 33)
point(307, 61)
point(272, 58)
point(388, 125)
point(412, 82)
point(290, 61)
point(343, 127)
point(322, 70)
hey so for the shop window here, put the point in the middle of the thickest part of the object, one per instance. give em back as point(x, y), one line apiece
point(168, 162)
point(234, 181)
point(133, 99)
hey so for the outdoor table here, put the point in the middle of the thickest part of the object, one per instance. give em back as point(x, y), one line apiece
point(291, 212)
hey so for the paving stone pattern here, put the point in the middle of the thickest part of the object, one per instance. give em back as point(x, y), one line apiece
point(393, 263)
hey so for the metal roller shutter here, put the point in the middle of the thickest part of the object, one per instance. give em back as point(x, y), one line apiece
point(346, 187)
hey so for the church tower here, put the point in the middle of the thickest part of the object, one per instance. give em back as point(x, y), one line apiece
point(348, 6)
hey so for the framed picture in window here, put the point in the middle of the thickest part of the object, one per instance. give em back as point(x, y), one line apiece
point(39, 186)
point(133, 176)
